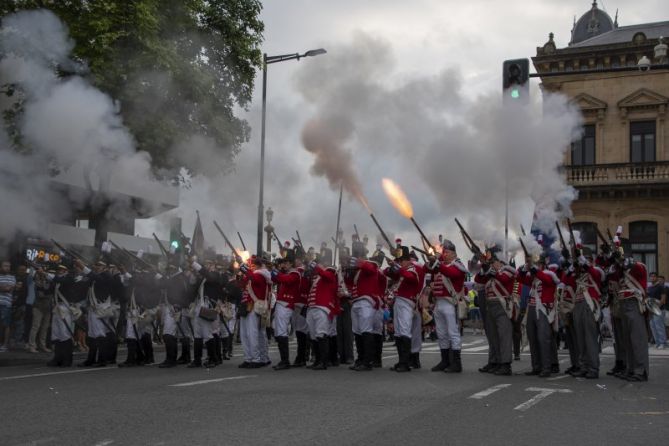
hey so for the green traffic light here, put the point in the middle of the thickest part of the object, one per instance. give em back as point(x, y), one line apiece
point(515, 93)
point(175, 244)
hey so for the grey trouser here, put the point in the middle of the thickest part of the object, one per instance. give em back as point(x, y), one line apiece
point(540, 338)
point(586, 337)
point(570, 339)
point(499, 330)
point(635, 337)
point(618, 341)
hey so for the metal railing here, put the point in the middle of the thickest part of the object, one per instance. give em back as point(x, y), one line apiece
point(616, 174)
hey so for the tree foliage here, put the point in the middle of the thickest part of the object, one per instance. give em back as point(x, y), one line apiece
point(178, 67)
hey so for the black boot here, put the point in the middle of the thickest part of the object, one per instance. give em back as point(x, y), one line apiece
point(617, 368)
point(445, 360)
point(67, 353)
point(358, 340)
point(404, 352)
point(57, 359)
point(112, 348)
point(218, 350)
point(317, 355)
point(185, 352)
point(197, 353)
point(147, 349)
point(503, 370)
point(323, 348)
point(378, 351)
point(284, 354)
point(414, 360)
point(131, 359)
point(300, 358)
point(171, 350)
point(211, 353)
point(92, 353)
point(367, 350)
point(490, 367)
point(456, 366)
point(333, 351)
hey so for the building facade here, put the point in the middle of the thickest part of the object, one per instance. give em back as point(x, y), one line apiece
point(620, 165)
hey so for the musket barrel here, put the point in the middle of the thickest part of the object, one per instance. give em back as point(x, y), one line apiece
point(383, 234)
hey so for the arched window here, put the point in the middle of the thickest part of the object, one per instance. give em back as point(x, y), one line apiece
point(643, 243)
point(588, 232)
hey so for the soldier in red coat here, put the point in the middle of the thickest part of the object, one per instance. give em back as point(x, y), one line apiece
point(417, 325)
point(448, 280)
point(541, 313)
point(288, 290)
point(632, 297)
point(256, 285)
point(498, 279)
point(365, 298)
point(320, 311)
point(587, 311)
point(300, 312)
point(406, 288)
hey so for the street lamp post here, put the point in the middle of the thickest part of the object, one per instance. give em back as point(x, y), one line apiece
point(266, 61)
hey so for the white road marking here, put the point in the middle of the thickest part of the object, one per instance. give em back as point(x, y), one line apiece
point(65, 372)
point(543, 393)
point(489, 391)
point(208, 381)
point(555, 378)
point(388, 357)
point(476, 349)
point(104, 443)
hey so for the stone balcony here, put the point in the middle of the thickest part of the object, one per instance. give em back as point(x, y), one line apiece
point(620, 180)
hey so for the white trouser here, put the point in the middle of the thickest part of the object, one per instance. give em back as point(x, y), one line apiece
point(59, 331)
point(403, 317)
point(416, 335)
point(96, 326)
point(254, 339)
point(202, 328)
point(446, 323)
point(169, 323)
point(185, 324)
point(363, 315)
point(333, 326)
point(299, 321)
point(319, 322)
point(378, 322)
point(231, 323)
point(281, 322)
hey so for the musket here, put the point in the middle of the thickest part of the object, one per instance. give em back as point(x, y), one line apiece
point(71, 252)
point(278, 240)
point(469, 241)
point(606, 247)
point(355, 228)
point(383, 233)
point(234, 251)
point(522, 230)
point(422, 251)
point(562, 242)
point(573, 240)
point(299, 239)
point(528, 257)
point(160, 245)
point(133, 256)
point(241, 240)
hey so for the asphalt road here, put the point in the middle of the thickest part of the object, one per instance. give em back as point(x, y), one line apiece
point(231, 406)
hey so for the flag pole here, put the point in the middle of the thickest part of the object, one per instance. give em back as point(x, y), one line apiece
point(336, 248)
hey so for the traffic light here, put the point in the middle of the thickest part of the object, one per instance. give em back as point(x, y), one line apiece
point(175, 234)
point(515, 77)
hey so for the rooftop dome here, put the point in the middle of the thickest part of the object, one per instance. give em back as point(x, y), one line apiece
point(591, 24)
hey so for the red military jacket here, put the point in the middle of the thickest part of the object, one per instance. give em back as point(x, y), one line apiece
point(324, 288)
point(305, 287)
point(289, 287)
point(498, 285)
point(365, 283)
point(568, 280)
point(260, 281)
point(633, 281)
point(408, 283)
point(455, 272)
point(590, 279)
point(543, 283)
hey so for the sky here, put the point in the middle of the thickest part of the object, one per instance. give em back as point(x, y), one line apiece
point(444, 54)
